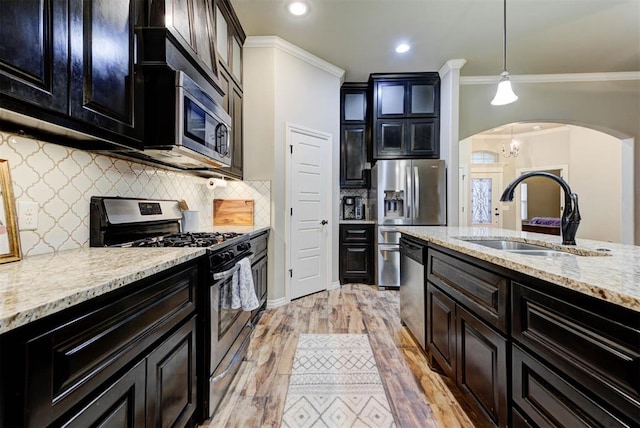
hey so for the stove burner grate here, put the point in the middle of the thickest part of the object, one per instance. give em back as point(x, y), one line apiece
point(189, 239)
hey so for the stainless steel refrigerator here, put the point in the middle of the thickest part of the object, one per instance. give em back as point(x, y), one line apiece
point(404, 192)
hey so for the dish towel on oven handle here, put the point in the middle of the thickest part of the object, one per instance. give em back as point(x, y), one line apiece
point(243, 293)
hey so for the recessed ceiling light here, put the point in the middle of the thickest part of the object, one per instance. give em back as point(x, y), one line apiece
point(298, 8)
point(402, 48)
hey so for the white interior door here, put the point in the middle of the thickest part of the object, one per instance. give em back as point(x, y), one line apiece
point(309, 183)
point(485, 189)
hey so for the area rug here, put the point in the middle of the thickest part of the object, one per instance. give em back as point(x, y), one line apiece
point(335, 383)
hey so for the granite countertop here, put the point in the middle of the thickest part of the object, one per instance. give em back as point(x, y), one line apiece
point(357, 221)
point(41, 285)
point(38, 286)
point(614, 277)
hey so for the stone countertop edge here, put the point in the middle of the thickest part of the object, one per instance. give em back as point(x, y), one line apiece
point(357, 222)
point(41, 285)
point(614, 277)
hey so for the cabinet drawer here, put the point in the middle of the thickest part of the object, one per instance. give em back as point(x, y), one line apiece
point(549, 400)
point(595, 343)
point(484, 292)
point(71, 360)
point(356, 233)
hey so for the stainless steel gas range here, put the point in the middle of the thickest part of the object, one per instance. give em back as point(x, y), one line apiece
point(225, 332)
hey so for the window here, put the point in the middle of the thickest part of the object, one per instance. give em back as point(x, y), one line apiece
point(523, 201)
point(484, 156)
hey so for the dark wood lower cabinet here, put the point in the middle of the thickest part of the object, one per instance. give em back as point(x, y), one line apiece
point(481, 360)
point(81, 366)
point(121, 405)
point(529, 353)
point(441, 331)
point(171, 379)
point(356, 253)
point(550, 400)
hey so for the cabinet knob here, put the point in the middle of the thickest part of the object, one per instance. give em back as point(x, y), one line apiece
point(323, 222)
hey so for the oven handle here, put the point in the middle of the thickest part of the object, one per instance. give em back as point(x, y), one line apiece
point(227, 273)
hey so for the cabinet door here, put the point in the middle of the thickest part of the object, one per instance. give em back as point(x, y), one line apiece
point(121, 405)
point(390, 139)
point(33, 66)
point(171, 379)
point(423, 138)
point(354, 104)
point(236, 131)
point(353, 157)
point(441, 328)
point(202, 17)
point(481, 359)
point(356, 261)
point(391, 99)
point(102, 79)
point(423, 98)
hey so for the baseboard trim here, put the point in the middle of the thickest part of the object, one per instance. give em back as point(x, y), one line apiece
point(276, 302)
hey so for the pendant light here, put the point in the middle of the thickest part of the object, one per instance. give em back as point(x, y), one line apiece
point(505, 94)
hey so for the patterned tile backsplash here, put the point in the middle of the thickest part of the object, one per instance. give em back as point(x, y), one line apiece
point(61, 181)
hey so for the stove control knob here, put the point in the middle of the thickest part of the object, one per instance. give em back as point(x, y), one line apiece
point(245, 246)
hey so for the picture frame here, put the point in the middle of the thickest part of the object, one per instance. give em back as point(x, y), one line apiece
point(9, 238)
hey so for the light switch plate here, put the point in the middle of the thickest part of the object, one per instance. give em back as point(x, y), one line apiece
point(28, 215)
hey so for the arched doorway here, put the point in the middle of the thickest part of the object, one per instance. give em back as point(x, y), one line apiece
point(597, 166)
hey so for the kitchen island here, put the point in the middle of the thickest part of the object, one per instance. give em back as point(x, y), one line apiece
point(545, 337)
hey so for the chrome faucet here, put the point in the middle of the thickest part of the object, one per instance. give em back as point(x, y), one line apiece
point(570, 213)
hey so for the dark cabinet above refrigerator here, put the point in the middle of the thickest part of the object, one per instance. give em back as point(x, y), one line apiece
point(406, 115)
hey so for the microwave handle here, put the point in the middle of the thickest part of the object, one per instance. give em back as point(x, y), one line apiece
point(222, 132)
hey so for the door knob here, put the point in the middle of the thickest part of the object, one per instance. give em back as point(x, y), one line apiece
point(323, 222)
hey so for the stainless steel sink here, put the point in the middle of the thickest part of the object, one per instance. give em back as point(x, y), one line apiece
point(501, 244)
point(518, 247)
point(530, 249)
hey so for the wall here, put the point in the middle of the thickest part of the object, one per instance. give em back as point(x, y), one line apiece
point(543, 198)
point(612, 106)
point(282, 83)
point(62, 180)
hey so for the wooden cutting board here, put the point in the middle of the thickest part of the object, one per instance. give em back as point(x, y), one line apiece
point(233, 212)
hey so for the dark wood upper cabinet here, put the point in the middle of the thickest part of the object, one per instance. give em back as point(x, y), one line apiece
point(34, 52)
point(405, 119)
point(354, 136)
point(229, 38)
point(71, 63)
point(101, 82)
point(191, 27)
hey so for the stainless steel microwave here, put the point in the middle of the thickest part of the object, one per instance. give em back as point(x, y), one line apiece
point(202, 129)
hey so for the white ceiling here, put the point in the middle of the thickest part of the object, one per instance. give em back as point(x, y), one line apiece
point(543, 36)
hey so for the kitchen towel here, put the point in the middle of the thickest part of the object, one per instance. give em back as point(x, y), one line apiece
point(243, 293)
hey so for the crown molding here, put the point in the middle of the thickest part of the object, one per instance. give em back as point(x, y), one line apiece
point(275, 42)
point(553, 78)
point(452, 64)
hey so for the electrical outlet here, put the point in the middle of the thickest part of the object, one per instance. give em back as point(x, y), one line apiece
point(27, 215)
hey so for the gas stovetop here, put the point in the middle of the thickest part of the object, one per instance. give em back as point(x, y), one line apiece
point(186, 239)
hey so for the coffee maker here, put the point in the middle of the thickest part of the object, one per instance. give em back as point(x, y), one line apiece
point(352, 208)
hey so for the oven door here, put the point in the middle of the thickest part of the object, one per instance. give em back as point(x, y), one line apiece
point(226, 323)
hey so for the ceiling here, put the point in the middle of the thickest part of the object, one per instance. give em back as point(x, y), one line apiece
point(543, 36)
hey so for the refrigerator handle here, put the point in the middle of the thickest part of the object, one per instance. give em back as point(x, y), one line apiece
point(408, 197)
point(416, 192)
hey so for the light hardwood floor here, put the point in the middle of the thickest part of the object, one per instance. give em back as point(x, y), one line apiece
point(418, 396)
